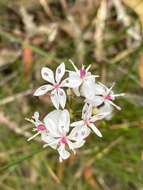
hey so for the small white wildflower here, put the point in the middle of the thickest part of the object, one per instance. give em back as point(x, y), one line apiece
point(58, 95)
point(55, 128)
point(100, 94)
point(58, 122)
point(88, 120)
point(80, 75)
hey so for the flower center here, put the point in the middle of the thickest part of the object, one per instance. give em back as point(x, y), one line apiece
point(108, 97)
point(41, 127)
point(86, 122)
point(82, 73)
point(63, 140)
point(56, 86)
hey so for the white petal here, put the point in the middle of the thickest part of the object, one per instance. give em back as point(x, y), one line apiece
point(75, 145)
point(106, 108)
point(60, 71)
point(90, 78)
point(79, 132)
point(51, 127)
point(100, 89)
point(48, 75)
point(51, 141)
point(77, 123)
point(86, 111)
point(64, 154)
point(71, 82)
point(88, 88)
point(78, 144)
point(96, 101)
point(99, 116)
point(54, 116)
point(64, 121)
point(55, 99)
point(73, 74)
point(43, 90)
point(94, 128)
point(62, 97)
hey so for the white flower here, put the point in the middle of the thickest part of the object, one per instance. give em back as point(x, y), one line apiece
point(57, 123)
point(80, 75)
point(58, 95)
point(100, 95)
point(88, 121)
point(39, 126)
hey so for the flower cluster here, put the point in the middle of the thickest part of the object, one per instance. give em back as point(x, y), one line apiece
point(56, 130)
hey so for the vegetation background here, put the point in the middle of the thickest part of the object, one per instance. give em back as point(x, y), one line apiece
point(104, 33)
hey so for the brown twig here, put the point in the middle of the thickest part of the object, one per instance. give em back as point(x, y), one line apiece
point(99, 23)
point(53, 175)
point(46, 7)
point(15, 96)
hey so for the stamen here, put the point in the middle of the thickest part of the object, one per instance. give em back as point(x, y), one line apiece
point(87, 69)
point(33, 136)
point(117, 95)
point(111, 87)
point(73, 65)
point(92, 76)
point(45, 145)
point(30, 120)
point(102, 85)
point(114, 105)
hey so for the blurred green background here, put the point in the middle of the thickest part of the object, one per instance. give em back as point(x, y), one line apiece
point(106, 34)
